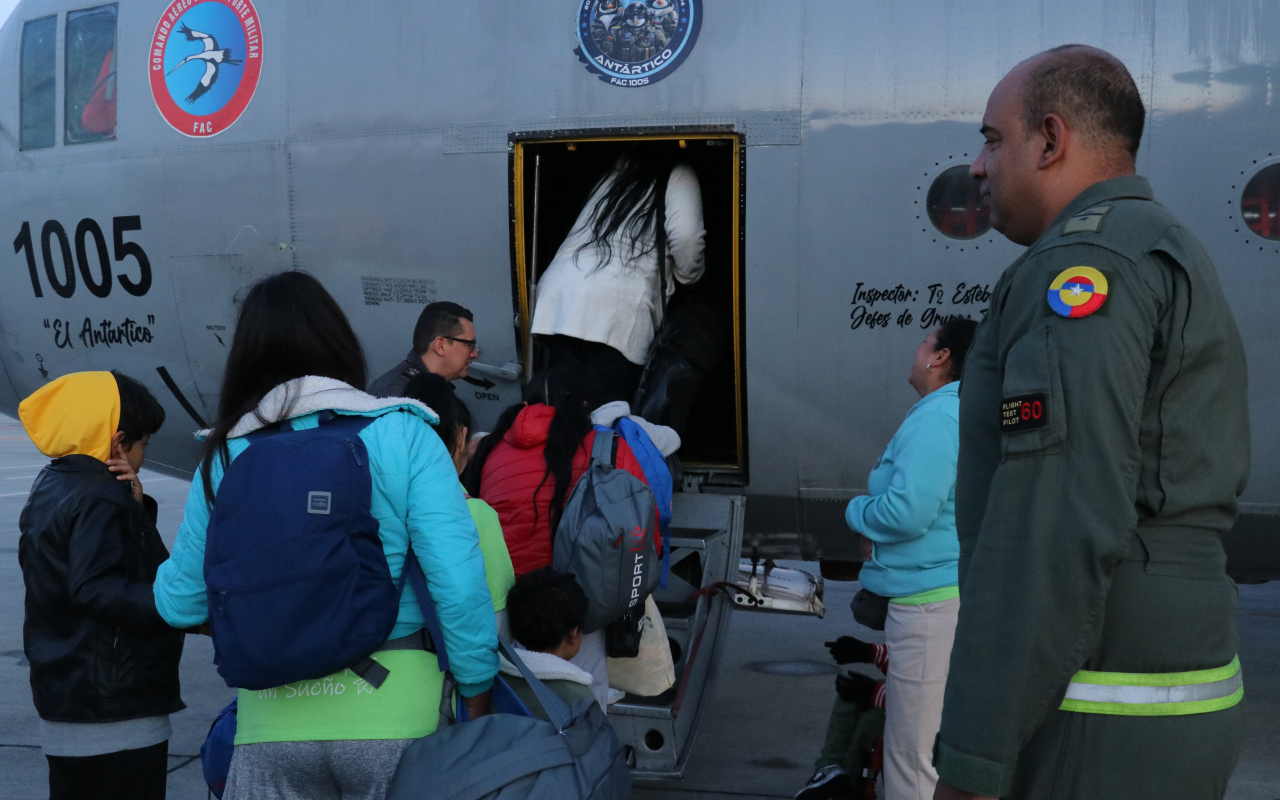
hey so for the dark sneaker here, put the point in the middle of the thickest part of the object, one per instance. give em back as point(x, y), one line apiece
point(828, 783)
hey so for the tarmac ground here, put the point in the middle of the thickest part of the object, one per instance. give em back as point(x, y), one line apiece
point(758, 739)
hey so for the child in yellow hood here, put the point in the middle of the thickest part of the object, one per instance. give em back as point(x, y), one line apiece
point(104, 664)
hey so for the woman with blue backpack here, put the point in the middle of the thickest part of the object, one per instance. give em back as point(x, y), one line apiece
point(313, 503)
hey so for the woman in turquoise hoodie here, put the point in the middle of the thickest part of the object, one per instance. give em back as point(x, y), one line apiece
point(293, 357)
point(909, 518)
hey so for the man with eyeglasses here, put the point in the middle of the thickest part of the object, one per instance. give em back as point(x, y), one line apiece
point(444, 343)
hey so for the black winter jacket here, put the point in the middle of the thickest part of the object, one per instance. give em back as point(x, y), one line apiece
point(99, 650)
point(393, 381)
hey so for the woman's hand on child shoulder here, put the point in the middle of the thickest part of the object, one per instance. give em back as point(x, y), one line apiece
point(124, 472)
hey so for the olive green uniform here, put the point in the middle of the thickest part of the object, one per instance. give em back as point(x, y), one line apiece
point(1090, 529)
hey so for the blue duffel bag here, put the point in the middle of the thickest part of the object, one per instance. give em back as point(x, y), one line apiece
point(508, 757)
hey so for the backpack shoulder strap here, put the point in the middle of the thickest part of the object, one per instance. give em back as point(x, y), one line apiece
point(658, 476)
point(605, 448)
point(413, 573)
point(557, 710)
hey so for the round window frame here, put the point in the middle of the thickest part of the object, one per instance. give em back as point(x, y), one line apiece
point(943, 170)
point(1235, 202)
point(921, 211)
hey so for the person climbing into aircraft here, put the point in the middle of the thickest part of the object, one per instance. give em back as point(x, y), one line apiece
point(444, 343)
point(909, 518)
point(601, 299)
point(527, 467)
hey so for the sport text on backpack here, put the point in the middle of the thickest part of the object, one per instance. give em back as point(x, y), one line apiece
point(298, 583)
point(606, 537)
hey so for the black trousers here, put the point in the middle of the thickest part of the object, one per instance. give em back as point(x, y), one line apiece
point(618, 376)
point(127, 775)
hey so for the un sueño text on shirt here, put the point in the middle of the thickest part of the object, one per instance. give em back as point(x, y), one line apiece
point(865, 315)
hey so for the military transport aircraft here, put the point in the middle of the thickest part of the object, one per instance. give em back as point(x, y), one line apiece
point(158, 156)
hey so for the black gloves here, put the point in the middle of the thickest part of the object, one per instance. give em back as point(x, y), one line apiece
point(856, 688)
point(848, 650)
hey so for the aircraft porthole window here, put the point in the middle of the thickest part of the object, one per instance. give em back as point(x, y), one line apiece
point(37, 83)
point(90, 95)
point(1260, 203)
point(955, 206)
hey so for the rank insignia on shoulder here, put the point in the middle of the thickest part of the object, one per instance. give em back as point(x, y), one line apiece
point(1024, 413)
point(1087, 221)
point(1078, 292)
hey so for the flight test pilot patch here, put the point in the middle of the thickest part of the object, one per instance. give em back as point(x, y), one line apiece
point(1078, 292)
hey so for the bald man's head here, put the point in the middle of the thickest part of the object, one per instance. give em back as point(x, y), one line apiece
point(1091, 90)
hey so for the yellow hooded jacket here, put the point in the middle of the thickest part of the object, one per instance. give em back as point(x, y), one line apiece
point(77, 413)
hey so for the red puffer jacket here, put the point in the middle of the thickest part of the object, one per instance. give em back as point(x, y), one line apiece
point(512, 473)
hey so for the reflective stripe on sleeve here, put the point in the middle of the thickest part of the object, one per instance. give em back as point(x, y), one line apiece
point(1157, 694)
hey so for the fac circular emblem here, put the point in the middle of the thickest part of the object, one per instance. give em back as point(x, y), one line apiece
point(205, 61)
point(1078, 292)
point(636, 42)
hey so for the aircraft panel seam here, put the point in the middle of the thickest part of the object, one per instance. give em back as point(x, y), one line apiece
point(766, 127)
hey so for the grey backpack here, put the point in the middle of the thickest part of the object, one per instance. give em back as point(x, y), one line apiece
point(508, 757)
point(607, 537)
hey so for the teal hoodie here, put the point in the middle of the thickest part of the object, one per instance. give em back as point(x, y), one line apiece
point(416, 497)
point(910, 513)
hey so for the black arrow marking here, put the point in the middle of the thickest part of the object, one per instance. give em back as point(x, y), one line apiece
point(186, 404)
point(483, 383)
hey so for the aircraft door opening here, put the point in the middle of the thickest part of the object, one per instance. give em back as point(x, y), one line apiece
point(553, 180)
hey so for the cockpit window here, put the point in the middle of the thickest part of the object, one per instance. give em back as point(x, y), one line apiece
point(955, 205)
point(91, 75)
point(39, 65)
point(1260, 203)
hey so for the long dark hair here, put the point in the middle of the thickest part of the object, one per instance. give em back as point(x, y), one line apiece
point(289, 327)
point(570, 390)
point(628, 205)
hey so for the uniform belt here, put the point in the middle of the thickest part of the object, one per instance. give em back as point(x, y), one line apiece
point(1155, 694)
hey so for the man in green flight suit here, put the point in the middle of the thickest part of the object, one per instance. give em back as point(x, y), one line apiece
point(1104, 441)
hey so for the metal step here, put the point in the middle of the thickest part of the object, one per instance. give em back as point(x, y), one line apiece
point(706, 538)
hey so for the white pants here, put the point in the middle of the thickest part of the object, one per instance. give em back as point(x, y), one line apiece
point(919, 639)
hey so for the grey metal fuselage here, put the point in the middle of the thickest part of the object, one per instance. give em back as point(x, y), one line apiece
point(376, 147)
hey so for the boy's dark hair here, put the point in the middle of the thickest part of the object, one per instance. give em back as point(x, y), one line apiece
point(436, 320)
point(140, 413)
point(438, 394)
point(544, 607)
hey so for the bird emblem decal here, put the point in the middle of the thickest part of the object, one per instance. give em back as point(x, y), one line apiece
point(212, 56)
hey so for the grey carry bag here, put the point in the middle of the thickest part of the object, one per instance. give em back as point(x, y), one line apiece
point(607, 537)
point(507, 757)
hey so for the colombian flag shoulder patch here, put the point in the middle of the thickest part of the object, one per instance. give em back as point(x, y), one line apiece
point(1078, 292)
